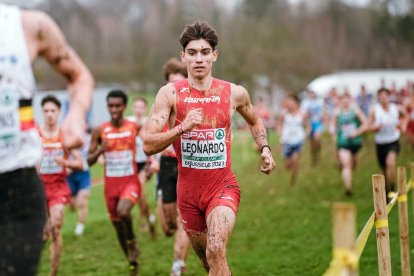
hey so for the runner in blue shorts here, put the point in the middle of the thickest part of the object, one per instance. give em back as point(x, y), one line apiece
point(80, 185)
point(312, 106)
point(292, 124)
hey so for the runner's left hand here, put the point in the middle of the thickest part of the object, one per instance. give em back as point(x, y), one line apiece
point(268, 164)
point(73, 131)
point(60, 161)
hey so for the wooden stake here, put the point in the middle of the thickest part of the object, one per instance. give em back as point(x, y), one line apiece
point(403, 219)
point(344, 235)
point(381, 224)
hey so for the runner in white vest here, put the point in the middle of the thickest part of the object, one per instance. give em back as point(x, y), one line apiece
point(24, 36)
point(388, 121)
point(292, 125)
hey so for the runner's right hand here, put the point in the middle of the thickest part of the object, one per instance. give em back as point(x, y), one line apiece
point(192, 119)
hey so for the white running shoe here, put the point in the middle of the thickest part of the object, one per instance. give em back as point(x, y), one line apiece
point(178, 268)
point(80, 228)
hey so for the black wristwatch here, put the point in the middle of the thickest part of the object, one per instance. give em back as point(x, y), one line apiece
point(265, 146)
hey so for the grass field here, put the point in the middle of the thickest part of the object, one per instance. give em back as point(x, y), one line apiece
point(280, 230)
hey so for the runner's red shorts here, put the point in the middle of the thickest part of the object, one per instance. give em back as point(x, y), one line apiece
point(196, 201)
point(410, 127)
point(57, 193)
point(115, 190)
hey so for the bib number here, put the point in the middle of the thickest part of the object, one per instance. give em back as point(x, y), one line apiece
point(49, 165)
point(204, 149)
point(119, 163)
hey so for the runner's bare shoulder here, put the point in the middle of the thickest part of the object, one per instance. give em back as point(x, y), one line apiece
point(239, 95)
point(36, 22)
point(166, 96)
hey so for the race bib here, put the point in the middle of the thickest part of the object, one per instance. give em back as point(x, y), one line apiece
point(204, 149)
point(388, 129)
point(348, 129)
point(119, 163)
point(293, 132)
point(49, 165)
point(9, 121)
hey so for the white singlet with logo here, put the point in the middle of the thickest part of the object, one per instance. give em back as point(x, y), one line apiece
point(293, 132)
point(389, 121)
point(50, 152)
point(18, 149)
point(119, 163)
point(204, 149)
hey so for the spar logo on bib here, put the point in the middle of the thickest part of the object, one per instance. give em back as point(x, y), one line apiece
point(204, 149)
point(220, 134)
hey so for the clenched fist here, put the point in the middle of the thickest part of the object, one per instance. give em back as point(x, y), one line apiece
point(268, 164)
point(193, 118)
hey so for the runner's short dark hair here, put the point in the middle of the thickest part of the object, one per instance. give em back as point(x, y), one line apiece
point(51, 99)
point(117, 93)
point(293, 97)
point(173, 66)
point(383, 89)
point(199, 30)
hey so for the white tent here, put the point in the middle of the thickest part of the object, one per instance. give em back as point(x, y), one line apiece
point(352, 80)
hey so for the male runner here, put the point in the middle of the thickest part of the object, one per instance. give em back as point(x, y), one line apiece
point(52, 171)
point(198, 111)
point(293, 126)
point(144, 163)
point(122, 188)
point(80, 185)
point(388, 121)
point(312, 106)
point(26, 35)
point(170, 219)
point(348, 123)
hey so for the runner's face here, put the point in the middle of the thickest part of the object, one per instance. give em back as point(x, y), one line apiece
point(51, 113)
point(116, 108)
point(346, 101)
point(383, 98)
point(140, 109)
point(291, 104)
point(199, 58)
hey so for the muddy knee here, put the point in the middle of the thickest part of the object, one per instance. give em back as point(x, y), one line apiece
point(216, 252)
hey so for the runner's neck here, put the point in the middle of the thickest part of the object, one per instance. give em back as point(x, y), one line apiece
point(117, 123)
point(50, 131)
point(200, 84)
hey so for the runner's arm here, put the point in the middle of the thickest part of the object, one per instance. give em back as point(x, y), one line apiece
point(364, 123)
point(307, 124)
point(73, 164)
point(403, 118)
point(371, 122)
point(243, 105)
point(246, 110)
point(94, 149)
point(54, 48)
point(332, 124)
point(280, 122)
point(155, 140)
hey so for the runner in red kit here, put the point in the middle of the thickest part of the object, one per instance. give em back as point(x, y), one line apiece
point(52, 171)
point(198, 111)
point(122, 188)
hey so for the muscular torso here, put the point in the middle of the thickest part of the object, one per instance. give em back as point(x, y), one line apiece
point(172, 99)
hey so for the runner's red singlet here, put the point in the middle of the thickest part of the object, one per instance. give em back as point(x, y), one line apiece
point(121, 181)
point(205, 179)
point(52, 174)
